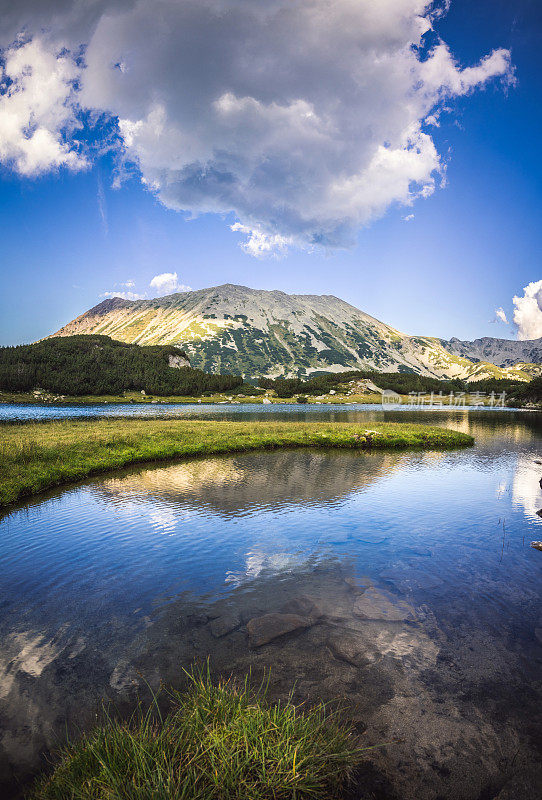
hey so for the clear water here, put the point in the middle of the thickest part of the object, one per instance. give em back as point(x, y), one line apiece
point(10, 412)
point(120, 577)
point(21, 411)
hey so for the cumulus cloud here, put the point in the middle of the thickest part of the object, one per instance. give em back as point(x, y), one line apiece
point(260, 244)
point(123, 295)
point(38, 110)
point(500, 316)
point(528, 311)
point(305, 119)
point(167, 283)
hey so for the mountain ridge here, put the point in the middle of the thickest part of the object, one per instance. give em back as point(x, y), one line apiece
point(254, 332)
point(501, 352)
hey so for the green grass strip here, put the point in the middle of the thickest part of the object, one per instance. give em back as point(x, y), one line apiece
point(39, 456)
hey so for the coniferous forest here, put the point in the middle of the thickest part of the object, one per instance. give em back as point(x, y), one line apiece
point(99, 365)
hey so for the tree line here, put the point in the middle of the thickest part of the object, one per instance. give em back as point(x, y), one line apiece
point(97, 365)
point(400, 382)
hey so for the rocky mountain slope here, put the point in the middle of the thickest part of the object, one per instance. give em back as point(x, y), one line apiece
point(254, 332)
point(501, 352)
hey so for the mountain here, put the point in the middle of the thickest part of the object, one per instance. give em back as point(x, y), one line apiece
point(234, 329)
point(501, 352)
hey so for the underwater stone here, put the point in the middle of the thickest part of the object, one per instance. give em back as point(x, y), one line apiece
point(262, 630)
point(303, 606)
point(221, 626)
point(375, 605)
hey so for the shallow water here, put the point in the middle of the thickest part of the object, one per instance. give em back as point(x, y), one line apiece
point(120, 580)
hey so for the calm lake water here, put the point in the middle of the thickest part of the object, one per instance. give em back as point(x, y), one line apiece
point(21, 412)
point(122, 581)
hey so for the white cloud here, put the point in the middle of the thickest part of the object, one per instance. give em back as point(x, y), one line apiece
point(102, 205)
point(124, 295)
point(163, 284)
point(167, 283)
point(528, 311)
point(260, 244)
point(500, 315)
point(125, 292)
point(306, 119)
point(38, 109)
point(408, 217)
point(432, 119)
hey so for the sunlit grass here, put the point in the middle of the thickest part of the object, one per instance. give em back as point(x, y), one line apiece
point(28, 398)
point(218, 742)
point(37, 456)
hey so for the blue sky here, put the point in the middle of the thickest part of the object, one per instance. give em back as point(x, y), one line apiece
point(469, 248)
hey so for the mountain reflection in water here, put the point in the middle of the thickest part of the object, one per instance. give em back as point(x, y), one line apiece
point(234, 486)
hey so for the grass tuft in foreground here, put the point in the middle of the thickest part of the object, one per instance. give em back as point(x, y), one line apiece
point(219, 742)
point(38, 456)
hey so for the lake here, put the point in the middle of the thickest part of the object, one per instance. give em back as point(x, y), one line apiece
point(412, 574)
point(21, 412)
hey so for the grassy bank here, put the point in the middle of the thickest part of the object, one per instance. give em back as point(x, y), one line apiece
point(370, 398)
point(217, 742)
point(28, 398)
point(38, 456)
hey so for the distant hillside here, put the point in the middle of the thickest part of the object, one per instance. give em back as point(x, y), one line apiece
point(501, 352)
point(234, 329)
point(94, 365)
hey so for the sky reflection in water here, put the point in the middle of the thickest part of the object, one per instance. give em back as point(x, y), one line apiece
point(86, 571)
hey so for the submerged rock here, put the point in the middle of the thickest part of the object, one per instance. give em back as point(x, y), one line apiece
point(536, 545)
point(411, 578)
point(225, 624)
point(123, 677)
point(521, 786)
point(348, 647)
point(262, 630)
point(407, 645)
point(303, 606)
point(355, 586)
point(426, 552)
point(375, 605)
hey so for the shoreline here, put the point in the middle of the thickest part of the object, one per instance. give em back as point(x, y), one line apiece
point(61, 452)
point(369, 400)
point(255, 405)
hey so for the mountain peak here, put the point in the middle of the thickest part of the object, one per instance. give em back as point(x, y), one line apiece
point(232, 328)
point(110, 305)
